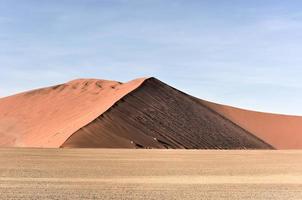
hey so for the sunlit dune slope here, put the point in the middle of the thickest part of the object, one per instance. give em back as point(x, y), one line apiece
point(47, 117)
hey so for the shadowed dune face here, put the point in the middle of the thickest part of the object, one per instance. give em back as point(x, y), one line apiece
point(281, 131)
point(157, 116)
point(143, 113)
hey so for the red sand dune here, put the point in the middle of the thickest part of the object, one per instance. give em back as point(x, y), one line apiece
point(143, 113)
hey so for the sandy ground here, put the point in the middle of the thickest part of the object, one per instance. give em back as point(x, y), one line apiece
point(149, 174)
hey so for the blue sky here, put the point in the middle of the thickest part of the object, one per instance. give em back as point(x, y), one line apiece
point(241, 53)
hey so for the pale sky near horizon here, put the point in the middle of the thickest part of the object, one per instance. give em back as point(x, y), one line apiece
point(236, 52)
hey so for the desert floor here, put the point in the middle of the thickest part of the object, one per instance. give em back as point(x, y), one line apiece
point(149, 174)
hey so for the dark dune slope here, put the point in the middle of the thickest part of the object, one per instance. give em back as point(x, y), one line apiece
point(155, 115)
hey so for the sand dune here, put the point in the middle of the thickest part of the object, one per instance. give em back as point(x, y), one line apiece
point(143, 113)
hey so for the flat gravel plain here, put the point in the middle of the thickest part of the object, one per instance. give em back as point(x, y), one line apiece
point(149, 174)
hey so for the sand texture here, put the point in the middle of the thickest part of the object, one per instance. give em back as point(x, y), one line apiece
point(150, 174)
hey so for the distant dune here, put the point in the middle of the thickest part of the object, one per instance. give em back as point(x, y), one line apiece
point(281, 131)
point(143, 113)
